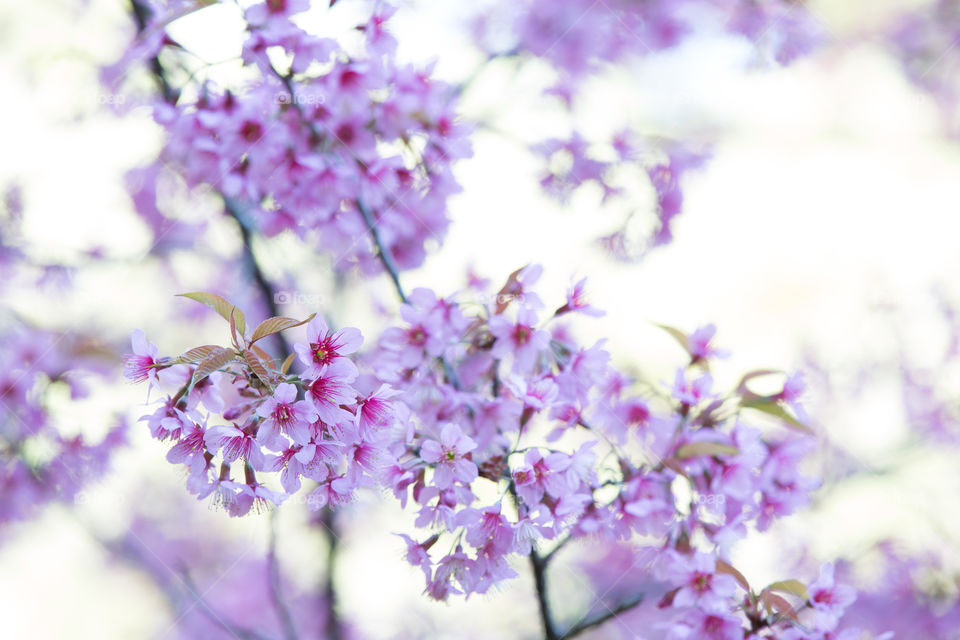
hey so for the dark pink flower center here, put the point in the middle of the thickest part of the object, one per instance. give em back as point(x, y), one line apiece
point(417, 336)
point(251, 131)
point(521, 334)
point(702, 582)
point(283, 414)
point(713, 624)
point(324, 351)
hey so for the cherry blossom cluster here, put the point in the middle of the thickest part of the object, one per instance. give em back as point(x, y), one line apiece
point(238, 411)
point(614, 168)
point(512, 437)
point(579, 36)
point(579, 40)
point(323, 140)
point(39, 461)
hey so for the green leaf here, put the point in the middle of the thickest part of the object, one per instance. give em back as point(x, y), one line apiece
point(276, 324)
point(794, 587)
point(773, 409)
point(221, 305)
point(694, 449)
point(216, 360)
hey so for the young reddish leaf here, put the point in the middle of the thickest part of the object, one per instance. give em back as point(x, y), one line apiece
point(694, 449)
point(773, 409)
point(233, 327)
point(667, 599)
point(509, 290)
point(794, 587)
point(197, 354)
point(210, 364)
point(256, 366)
point(219, 304)
point(730, 570)
point(287, 363)
point(276, 324)
point(674, 465)
point(677, 335)
point(779, 604)
point(742, 388)
point(263, 355)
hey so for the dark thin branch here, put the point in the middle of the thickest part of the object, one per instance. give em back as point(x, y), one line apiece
point(141, 15)
point(547, 558)
point(273, 571)
point(386, 257)
point(598, 619)
point(235, 210)
point(540, 580)
point(334, 631)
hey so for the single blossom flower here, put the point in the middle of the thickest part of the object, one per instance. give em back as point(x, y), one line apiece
point(331, 389)
point(283, 414)
point(700, 584)
point(235, 444)
point(830, 598)
point(142, 363)
point(576, 301)
point(519, 338)
point(448, 454)
point(326, 347)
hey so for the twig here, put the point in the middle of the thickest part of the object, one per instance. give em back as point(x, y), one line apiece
point(141, 15)
point(540, 580)
point(273, 571)
point(547, 558)
point(330, 592)
point(386, 257)
point(235, 211)
point(596, 620)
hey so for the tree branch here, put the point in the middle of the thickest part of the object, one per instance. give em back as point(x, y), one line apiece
point(330, 593)
point(386, 257)
point(235, 210)
point(273, 572)
point(589, 622)
point(540, 580)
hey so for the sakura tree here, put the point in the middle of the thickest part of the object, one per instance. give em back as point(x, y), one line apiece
point(513, 447)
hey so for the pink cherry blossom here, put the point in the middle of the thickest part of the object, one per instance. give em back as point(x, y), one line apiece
point(326, 347)
point(520, 339)
point(448, 456)
point(284, 414)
